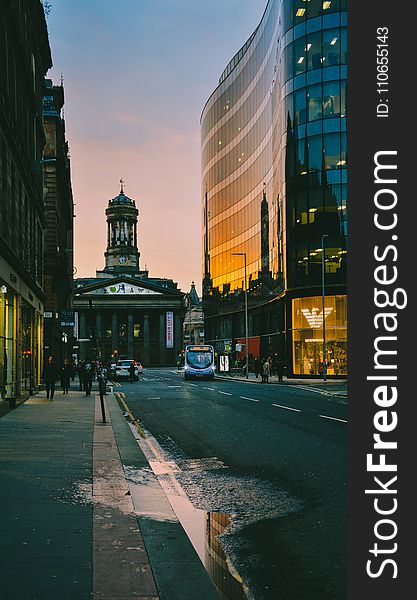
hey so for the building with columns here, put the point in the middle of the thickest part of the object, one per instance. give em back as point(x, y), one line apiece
point(123, 312)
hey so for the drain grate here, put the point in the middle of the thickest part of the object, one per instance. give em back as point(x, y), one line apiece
point(201, 464)
point(102, 444)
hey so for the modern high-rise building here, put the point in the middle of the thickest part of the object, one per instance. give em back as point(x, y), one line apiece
point(274, 175)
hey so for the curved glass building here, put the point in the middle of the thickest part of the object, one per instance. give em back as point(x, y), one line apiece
point(273, 147)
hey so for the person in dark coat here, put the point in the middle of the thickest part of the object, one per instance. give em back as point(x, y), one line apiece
point(256, 367)
point(49, 377)
point(87, 376)
point(132, 373)
point(66, 371)
point(80, 368)
point(280, 370)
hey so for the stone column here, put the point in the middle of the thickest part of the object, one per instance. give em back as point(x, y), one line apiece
point(161, 339)
point(82, 332)
point(114, 331)
point(146, 339)
point(99, 333)
point(130, 335)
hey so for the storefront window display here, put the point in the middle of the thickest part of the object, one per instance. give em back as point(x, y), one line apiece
point(307, 344)
point(6, 342)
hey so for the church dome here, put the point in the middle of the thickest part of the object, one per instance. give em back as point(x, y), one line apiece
point(121, 198)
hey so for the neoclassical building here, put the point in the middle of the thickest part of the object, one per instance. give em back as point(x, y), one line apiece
point(123, 312)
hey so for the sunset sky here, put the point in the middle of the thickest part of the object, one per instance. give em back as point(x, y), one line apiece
point(137, 74)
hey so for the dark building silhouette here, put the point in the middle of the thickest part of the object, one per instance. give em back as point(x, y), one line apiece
point(25, 58)
point(59, 213)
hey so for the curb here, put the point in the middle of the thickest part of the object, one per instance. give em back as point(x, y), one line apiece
point(168, 547)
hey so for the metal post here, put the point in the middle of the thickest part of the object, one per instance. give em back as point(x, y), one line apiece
point(246, 322)
point(189, 324)
point(323, 266)
point(246, 315)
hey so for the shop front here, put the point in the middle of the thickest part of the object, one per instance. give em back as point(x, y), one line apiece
point(20, 344)
point(7, 341)
point(310, 330)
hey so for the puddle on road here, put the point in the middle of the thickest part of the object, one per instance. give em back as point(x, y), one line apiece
point(202, 527)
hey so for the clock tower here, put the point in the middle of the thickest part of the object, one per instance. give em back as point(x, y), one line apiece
point(122, 254)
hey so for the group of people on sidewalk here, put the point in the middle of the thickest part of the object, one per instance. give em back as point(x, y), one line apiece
point(267, 367)
point(87, 371)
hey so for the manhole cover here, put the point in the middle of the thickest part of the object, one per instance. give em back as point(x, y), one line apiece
point(201, 464)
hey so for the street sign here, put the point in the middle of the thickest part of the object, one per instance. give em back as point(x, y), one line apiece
point(67, 317)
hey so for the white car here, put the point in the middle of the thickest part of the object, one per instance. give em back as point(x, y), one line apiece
point(123, 366)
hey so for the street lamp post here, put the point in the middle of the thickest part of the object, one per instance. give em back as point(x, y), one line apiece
point(323, 265)
point(246, 315)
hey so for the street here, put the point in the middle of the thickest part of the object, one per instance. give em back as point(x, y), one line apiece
point(277, 468)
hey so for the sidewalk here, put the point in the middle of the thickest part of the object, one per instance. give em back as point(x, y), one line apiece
point(329, 384)
point(81, 513)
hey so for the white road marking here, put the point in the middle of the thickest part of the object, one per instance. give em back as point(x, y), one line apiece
point(225, 393)
point(287, 407)
point(332, 418)
point(206, 388)
point(194, 384)
point(154, 398)
point(245, 398)
point(174, 386)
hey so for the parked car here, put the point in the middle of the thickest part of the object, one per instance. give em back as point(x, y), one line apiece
point(122, 369)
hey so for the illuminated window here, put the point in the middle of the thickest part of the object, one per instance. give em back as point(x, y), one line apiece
point(326, 5)
point(300, 12)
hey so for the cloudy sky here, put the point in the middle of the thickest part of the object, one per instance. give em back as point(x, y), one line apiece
point(137, 74)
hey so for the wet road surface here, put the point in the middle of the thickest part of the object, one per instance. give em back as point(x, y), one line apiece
point(275, 459)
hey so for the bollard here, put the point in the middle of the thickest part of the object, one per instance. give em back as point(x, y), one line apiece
point(12, 402)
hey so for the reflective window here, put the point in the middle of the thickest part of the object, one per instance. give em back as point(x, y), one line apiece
point(314, 96)
point(331, 99)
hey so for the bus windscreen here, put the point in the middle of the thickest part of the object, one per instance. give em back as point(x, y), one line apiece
point(199, 359)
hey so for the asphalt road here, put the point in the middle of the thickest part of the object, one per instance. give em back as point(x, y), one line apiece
point(290, 441)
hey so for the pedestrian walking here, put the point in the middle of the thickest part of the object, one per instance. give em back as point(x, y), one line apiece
point(280, 370)
point(80, 372)
point(256, 367)
point(49, 377)
point(132, 373)
point(66, 371)
point(266, 371)
point(73, 370)
point(87, 376)
point(274, 365)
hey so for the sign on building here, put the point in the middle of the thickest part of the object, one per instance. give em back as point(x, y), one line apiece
point(169, 329)
point(67, 317)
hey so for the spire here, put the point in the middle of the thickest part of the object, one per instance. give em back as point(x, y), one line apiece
point(193, 296)
point(122, 183)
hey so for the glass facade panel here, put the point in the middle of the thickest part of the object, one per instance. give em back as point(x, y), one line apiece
point(274, 166)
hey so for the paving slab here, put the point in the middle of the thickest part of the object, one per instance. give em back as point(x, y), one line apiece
point(73, 522)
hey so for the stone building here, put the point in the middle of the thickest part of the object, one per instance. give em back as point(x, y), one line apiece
point(194, 318)
point(123, 312)
point(25, 58)
point(58, 281)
